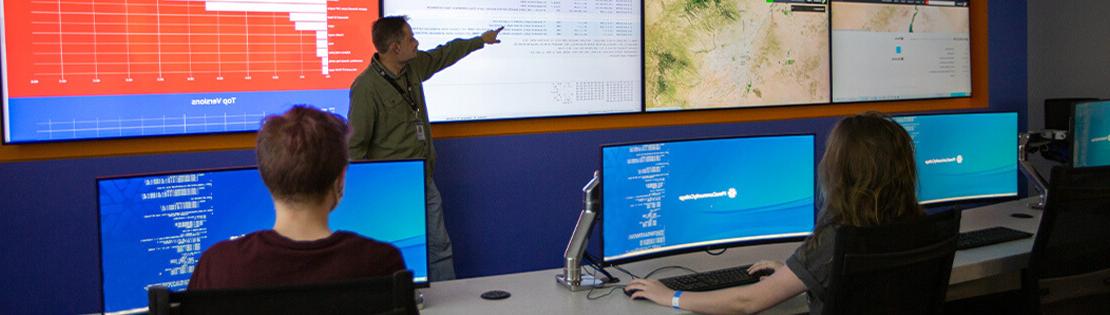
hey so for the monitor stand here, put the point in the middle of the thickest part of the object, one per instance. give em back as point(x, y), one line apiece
point(585, 282)
point(572, 277)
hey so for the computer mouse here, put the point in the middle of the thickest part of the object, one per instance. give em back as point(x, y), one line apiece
point(629, 293)
point(762, 273)
point(496, 295)
point(1022, 216)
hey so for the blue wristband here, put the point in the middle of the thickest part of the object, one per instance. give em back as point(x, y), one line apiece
point(674, 300)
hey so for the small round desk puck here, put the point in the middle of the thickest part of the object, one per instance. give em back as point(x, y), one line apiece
point(1022, 216)
point(496, 295)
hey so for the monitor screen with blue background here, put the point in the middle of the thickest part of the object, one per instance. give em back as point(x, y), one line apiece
point(964, 156)
point(153, 228)
point(672, 197)
point(1091, 134)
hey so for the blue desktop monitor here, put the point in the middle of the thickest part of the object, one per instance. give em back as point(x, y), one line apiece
point(1090, 134)
point(153, 228)
point(964, 156)
point(665, 198)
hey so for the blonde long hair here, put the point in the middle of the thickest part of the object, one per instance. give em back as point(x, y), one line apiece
point(868, 175)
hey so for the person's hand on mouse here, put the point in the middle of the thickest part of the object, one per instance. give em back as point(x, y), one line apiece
point(650, 289)
point(763, 266)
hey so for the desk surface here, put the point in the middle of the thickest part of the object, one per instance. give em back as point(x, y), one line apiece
point(975, 271)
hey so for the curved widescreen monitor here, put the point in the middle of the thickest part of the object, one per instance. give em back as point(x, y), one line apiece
point(898, 50)
point(77, 70)
point(740, 53)
point(1090, 134)
point(153, 228)
point(664, 198)
point(556, 58)
point(964, 156)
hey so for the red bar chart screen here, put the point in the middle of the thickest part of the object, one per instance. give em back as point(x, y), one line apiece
point(68, 63)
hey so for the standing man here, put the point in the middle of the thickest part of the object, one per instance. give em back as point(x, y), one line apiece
point(389, 118)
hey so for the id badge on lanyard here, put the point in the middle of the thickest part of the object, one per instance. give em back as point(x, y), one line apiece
point(420, 132)
point(418, 123)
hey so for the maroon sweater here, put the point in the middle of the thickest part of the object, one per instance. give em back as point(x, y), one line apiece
point(265, 258)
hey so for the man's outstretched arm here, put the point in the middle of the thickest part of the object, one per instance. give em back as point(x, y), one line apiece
point(427, 63)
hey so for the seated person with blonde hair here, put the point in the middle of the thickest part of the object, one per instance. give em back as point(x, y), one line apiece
point(302, 156)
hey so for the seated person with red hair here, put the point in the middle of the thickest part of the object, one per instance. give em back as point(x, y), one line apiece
point(302, 156)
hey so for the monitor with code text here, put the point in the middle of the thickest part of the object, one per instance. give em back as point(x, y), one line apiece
point(153, 228)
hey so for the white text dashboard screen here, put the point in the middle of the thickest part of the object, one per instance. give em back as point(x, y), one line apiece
point(556, 58)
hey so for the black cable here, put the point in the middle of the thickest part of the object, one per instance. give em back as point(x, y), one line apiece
point(590, 294)
point(626, 272)
point(596, 266)
point(612, 279)
point(723, 250)
point(590, 297)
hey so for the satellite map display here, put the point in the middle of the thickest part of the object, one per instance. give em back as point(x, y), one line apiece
point(735, 53)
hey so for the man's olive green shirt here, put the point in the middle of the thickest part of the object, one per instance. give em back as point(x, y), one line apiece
point(384, 124)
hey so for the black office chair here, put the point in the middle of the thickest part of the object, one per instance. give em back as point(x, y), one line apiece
point(386, 295)
point(898, 268)
point(1069, 267)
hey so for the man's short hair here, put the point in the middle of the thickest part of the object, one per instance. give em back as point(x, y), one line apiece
point(301, 153)
point(388, 30)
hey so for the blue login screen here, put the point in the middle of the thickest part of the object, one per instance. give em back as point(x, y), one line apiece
point(1091, 136)
point(964, 156)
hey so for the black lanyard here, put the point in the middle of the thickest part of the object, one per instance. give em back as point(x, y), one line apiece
point(406, 95)
point(417, 119)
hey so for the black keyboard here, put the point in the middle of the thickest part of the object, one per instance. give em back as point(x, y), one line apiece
point(711, 280)
point(990, 236)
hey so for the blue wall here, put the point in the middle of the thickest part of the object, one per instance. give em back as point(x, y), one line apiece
point(510, 201)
